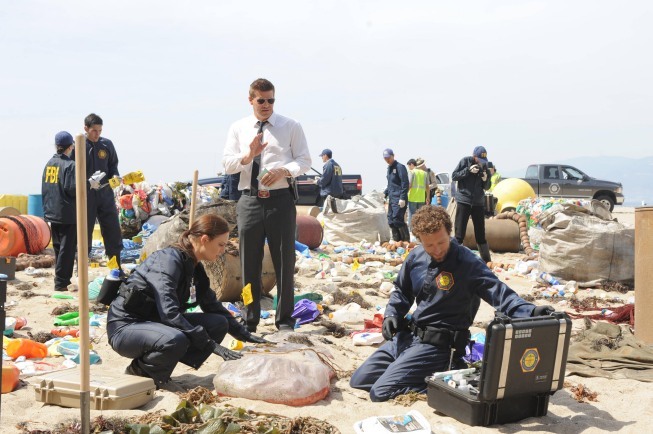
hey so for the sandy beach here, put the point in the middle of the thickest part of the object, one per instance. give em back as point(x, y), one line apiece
point(620, 405)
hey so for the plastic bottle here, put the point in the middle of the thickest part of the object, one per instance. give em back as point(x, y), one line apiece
point(549, 278)
point(65, 331)
point(10, 378)
point(26, 347)
point(110, 286)
point(350, 313)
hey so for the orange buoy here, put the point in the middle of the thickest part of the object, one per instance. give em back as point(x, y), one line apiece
point(309, 231)
point(10, 378)
point(23, 234)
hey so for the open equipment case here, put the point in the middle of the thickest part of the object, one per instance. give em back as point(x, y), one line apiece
point(523, 364)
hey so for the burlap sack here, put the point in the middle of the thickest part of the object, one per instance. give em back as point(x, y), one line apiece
point(579, 245)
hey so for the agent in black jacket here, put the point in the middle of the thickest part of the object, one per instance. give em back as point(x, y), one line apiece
point(148, 321)
point(473, 179)
point(58, 196)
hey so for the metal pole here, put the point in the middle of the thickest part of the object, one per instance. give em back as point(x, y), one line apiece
point(643, 272)
point(82, 282)
point(193, 200)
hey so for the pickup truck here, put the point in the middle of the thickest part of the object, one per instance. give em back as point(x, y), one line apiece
point(560, 180)
point(309, 193)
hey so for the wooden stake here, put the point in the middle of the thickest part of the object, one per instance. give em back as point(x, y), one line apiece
point(82, 282)
point(193, 200)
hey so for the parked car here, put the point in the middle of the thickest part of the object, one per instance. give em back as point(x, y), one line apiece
point(308, 191)
point(561, 180)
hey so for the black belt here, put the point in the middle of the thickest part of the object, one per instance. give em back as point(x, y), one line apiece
point(457, 339)
point(264, 194)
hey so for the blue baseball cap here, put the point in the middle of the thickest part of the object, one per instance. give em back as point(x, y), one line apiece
point(481, 154)
point(388, 153)
point(326, 152)
point(63, 139)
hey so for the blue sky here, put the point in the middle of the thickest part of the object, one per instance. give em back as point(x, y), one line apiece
point(533, 81)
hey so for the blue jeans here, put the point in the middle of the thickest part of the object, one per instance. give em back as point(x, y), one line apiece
point(412, 209)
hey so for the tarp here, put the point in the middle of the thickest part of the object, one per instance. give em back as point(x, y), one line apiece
point(610, 351)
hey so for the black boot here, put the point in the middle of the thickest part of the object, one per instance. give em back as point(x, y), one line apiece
point(405, 233)
point(396, 236)
point(484, 250)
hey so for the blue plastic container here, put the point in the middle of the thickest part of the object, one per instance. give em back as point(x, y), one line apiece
point(35, 205)
point(444, 198)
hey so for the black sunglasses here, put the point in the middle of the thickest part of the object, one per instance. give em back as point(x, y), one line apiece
point(262, 100)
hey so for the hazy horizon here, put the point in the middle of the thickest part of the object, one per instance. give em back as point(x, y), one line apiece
point(533, 81)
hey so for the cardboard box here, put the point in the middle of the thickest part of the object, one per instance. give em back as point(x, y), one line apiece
point(523, 364)
point(8, 266)
point(108, 391)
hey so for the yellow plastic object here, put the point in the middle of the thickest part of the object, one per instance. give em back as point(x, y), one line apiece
point(97, 233)
point(510, 191)
point(114, 182)
point(235, 345)
point(133, 177)
point(15, 201)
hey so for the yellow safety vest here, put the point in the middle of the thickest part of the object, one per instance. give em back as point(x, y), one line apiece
point(494, 180)
point(417, 191)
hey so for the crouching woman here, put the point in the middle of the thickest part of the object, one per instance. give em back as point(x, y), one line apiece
point(148, 321)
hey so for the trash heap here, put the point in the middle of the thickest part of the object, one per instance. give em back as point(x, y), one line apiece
point(142, 207)
point(138, 202)
point(533, 209)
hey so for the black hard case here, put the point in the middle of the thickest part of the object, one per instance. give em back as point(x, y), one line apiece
point(523, 364)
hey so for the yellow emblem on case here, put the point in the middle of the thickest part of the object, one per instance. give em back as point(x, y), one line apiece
point(530, 359)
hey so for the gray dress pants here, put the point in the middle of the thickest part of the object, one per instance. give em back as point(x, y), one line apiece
point(273, 218)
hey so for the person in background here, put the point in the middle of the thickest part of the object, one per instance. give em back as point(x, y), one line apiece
point(229, 189)
point(101, 157)
point(418, 188)
point(148, 321)
point(59, 208)
point(495, 177)
point(473, 179)
point(330, 182)
point(397, 195)
point(434, 191)
point(267, 149)
point(446, 281)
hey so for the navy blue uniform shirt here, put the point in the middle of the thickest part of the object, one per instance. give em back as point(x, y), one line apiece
point(167, 275)
point(397, 182)
point(471, 188)
point(58, 190)
point(447, 293)
point(331, 181)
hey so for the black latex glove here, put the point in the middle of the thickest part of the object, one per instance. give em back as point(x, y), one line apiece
point(257, 340)
point(390, 327)
point(543, 310)
point(225, 353)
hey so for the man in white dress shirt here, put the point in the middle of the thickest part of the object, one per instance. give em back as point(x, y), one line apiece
point(268, 150)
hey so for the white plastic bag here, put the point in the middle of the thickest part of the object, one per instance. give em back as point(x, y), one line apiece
point(297, 377)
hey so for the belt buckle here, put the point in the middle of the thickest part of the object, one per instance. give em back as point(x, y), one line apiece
point(263, 194)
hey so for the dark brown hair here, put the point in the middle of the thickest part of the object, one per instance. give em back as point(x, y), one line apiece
point(430, 219)
point(91, 120)
point(210, 225)
point(261, 85)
